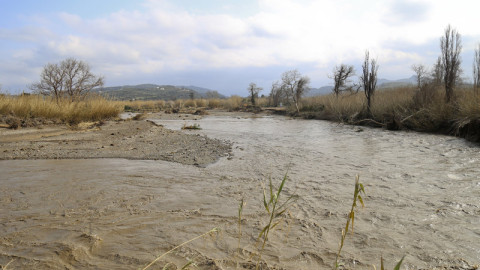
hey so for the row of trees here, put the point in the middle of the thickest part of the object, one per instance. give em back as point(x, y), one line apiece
point(446, 72)
point(289, 89)
point(292, 85)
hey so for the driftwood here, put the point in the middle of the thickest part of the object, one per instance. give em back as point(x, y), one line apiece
point(369, 121)
point(408, 117)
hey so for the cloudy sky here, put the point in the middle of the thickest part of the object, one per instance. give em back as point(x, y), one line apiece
point(226, 44)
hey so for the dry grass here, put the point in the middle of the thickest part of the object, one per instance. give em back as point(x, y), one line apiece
point(192, 127)
point(94, 108)
point(403, 108)
point(233, 103)
point(469, 104)
point(142, 106)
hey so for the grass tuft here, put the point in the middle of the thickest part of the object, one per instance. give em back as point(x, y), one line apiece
point(274, 210)
point(192, 127)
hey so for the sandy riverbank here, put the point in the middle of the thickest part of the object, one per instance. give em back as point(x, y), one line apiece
point(129, 139)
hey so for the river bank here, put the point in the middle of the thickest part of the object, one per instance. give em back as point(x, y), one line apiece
point(127, 139)
point(404, 108)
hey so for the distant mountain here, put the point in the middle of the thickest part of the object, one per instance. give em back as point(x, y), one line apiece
point(324, 90)
point(156, 92)
point(205, 92)
point(384, 83)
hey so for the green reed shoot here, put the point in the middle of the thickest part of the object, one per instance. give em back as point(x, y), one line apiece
point(214, 230)
point(274, 210)
point(240, 210)
point(397, 267)
point(351, 216)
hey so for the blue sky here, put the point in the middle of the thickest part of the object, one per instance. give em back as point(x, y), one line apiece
point(225, 44)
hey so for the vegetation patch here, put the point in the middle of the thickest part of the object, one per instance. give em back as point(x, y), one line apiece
point(34, 110)
point(194, 126)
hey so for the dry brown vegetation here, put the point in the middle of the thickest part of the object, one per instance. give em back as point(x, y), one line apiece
point(422, 109)
point(403, 108)
point(31, 110)
point(234, 103)
point(26, 110)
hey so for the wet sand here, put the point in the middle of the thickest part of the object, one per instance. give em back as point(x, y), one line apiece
point(127, 139)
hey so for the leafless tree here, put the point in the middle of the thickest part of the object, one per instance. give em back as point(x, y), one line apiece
point(276, 94)
point(341, 75)
point(476, 69)
point(70, 78)
point(421, 73)
point(369, 79)
point(295, 86)
point(253, 90)
point(451, 46)
point(437, 72)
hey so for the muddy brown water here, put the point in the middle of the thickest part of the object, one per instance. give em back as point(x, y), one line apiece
point(422, 202)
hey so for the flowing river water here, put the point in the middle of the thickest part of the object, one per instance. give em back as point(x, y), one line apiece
point(422, 201)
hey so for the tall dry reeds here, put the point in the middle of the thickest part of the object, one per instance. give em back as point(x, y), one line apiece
point(422, 109)
point(232, 104)
point(93, 108)
point(142, 105)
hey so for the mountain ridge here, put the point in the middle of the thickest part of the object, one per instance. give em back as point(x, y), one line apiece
point(148, 91)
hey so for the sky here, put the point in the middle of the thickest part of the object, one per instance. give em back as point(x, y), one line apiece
point(226, 44)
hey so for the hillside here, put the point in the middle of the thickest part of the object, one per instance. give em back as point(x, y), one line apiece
point(156, 92)
point(384, 83)
point(324, 90)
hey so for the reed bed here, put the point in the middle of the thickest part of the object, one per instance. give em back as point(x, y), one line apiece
point(403, 108)
point(25, 107)
point(234, 103)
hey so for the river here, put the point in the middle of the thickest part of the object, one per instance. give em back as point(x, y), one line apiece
point(422, 201)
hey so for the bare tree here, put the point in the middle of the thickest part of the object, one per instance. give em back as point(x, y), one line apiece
point(421, 73)
point(276, 94)
point(341, 75)
point(451, 46)
point(253, 90)
point(295, 86)
point(437, 72)
point(369, 79)
point(476, 70)
point(70, 78)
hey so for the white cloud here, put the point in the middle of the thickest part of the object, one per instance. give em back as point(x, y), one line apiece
point(163, 37)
